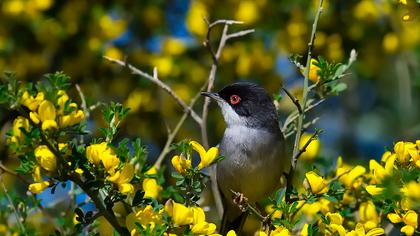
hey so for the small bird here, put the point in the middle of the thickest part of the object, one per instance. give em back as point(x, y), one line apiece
point(253, 146)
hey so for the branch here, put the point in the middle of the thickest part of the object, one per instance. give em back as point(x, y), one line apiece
point(154, 79)
point(99, 205)
point(293, 117)
point(305, 126)
point(11, 172)
point(19, 218)
point(82, 97)
point(296, 156)
point(294, 100)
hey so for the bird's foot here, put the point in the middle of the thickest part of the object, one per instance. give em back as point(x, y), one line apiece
point(241, 201)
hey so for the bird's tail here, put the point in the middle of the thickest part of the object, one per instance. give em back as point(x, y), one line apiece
point(235, 224)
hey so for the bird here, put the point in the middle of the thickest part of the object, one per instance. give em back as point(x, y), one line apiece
point(253, 146)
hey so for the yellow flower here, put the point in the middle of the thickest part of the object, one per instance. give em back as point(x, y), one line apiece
point(373, 190)
point(247, 12)
point(394, 218)
point(203, 228)
point(75, 117)
point(280, 231)
point(348, 179)
point(312, 149)
point(61, 101)
point(313, 73)
point(45, 158)
point(360, 230)
point(123, 178)
point(409, 219)
point(336, 221)
point(19, 123)
point(173, 46)
point(195, 14)
point(405, 151)
point(180, 214)
point(146, 216)
point(206, 157)
point(368, 215)
point(150, 185)
point(304, 231)
point(412, 190)
point(94, 152)
point(275, 213)
point(46, 114)
point(31, 102)
point(378, 171)
point(180, 164)
point(310, 209)
point(37, 188)
point(231, 233)
point(110, 161)
point(317, 184)
point(100, 152)
point(39, 185)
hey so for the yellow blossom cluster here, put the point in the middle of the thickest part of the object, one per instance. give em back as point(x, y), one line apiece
point(50, 115)
point(182, 163)
point(120, 174)
point(192, 216)
point(47, 162)
point(358, 182)
point(101, 154)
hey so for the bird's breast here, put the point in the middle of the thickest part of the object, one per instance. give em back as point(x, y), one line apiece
point(253, 164)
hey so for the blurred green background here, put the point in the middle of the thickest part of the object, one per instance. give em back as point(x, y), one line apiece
point(380, 106)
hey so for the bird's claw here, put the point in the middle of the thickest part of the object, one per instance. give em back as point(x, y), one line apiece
point(241, 201)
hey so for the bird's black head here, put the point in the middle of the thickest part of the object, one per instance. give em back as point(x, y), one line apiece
point(246, 104)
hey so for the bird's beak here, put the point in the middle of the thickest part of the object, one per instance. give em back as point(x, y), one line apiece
point(214, 96)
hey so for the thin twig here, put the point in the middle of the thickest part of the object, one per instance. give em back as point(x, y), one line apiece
point(99, 205)
point(293, 117)
point(305, 146)
point(305, 126)
point(11, 172)
point(82, 97)
point(296, 156)
point(159, 83)
point(339, 176)
point(19, 218)
point(294, 100)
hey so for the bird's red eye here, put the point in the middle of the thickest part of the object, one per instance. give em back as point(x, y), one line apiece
point(235, 99)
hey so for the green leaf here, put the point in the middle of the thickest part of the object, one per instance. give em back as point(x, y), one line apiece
point(59, 80)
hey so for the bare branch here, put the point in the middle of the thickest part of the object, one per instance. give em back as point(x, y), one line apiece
point(305, 126)
point(159, 83)
point(240, 34)
point(11, 172)
point(82, 97)
point(18, 216)
point(294, 100)
point(296, 156)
